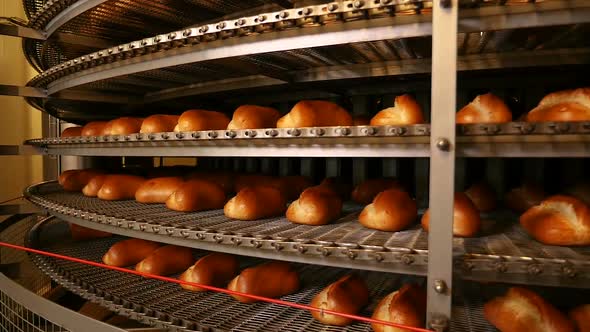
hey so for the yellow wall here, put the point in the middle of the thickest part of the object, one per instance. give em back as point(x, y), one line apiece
point(18, 121)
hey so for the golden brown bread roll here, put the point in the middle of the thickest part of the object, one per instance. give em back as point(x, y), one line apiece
point(157, 190)
point(80, 233)
point(94, 128)
point(129, 252)
point(522, 198)
point(315, 113)
point(485, 109)
point(317, 205)
point(166, 260)
point(215, 269)
point(406, 306)
point(76, 179)
point(559, 220)
point(466, 221)
point(117, 187)
point(254, 117)
point(123, 126)
point(196, 195)
point(159, 123)
point(243, 181)
point(223, 179)
point(294, 185)
point(365, 192)
point(338, 185)
point(580, 191)
point(72, 132)
point(392, 210)
point(271, 279)
point(580, 315)
point(405, 111)
point(482, 196)
point(194, 120)
point(568, 105)
point(257, 202)
point(523, 310)
point(93, 186)
point(348, 295)
point(361, 120)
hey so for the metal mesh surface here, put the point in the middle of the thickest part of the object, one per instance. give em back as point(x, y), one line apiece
point(14, 317)
point(167, 302)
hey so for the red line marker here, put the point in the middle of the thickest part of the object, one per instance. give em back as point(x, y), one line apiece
point(211, 288)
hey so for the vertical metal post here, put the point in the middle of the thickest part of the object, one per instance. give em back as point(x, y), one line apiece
point(49, 128)
point(442, 163)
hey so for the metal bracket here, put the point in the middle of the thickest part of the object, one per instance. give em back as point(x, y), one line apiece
point(19, 31)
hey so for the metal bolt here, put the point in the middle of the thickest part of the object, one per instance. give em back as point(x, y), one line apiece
point(204, 29)
point(284, 15)
point(120, 47)
point(172, 35)
point(445, 3)
point(358, 4)
point(262, 18)
point(440, 286)
point(385, 2)
point(439, 323)
point(332, 7)
point(443, 144)
point(307, 11)
point(221, 26)
point(241, 21)
point(187, 32)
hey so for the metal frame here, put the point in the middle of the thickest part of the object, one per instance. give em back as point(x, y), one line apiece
point(442, 164)
point(69, 319)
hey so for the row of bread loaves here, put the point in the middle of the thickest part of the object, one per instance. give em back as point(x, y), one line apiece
point(568, 105)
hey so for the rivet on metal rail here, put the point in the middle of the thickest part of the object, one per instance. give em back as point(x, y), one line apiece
point(318, 131)
point(440, 286)
point(332, 7)
point(250, 133)
point(241, 22)
point(200, 236)
point(261, 18)
point(439, 323)
point(398, 131)
point(526, 128)
point(212, 134)
point(156, 229)
point(569, 270)
point(271, 132)
point(343, 131)
point(187, 32)
point(284, 15)
point(277, 246)
point(221, 26)
point(351, 254)
point(326, 252)
point(501, 267)
point(204, 29)
point(157, 39)
point(120, 47)
point(236, 241)
point(170, 231)
point(385, 2)
point(491, 129)
point(256, 243)
point(138, 137)
point(293, 132)
point(300, 248)
point(534, 269)
point(369, 131)
point(195, 135)
point(179, 135)
point(142, 227)
point(443, 144)
point(407, 259)
point(151, 137)
point(184, 233)
point(358, 4)
point(560, 128)
point(231, 134)
point(307, 11)
point(127, 137)
point(131, 224)
point(164, 135)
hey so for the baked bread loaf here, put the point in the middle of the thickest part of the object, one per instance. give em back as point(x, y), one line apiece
point(215, 270)
point(406, 306)
point(348, 295)
point(482, 196)
point(294, 185)
point(361, 120)
point(315, 113)
point(157, 190)
point(93, 186)
point(485, 109)
point(405, 111)
point(223, 179)
point(271, 279)
point(72, 132)
point(523, 310)
point(254, 117)
point(94, 128)
point(76, 179)
point(338, 185)
point(580, 316)
point(196, 195)
point(580, 191)
point(559, 220)
point(365, 192)
point(317, 205)
point(466, 221)
point(116, 187)
point(257, 202)
point(243, 181)
point(522, 198)
point(80, 233)
point(129, 252)
point(123, 126)
point(568, 105)
point(392, 210)
point(159, 123)
point(194, 120)
point(166, 260)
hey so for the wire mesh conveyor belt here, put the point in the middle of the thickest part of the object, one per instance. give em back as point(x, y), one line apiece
point(504, 252)
point(168, 305)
